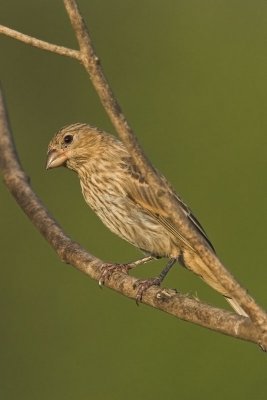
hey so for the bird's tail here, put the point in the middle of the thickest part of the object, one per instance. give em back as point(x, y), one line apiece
point(193, 262)
point(234, 304)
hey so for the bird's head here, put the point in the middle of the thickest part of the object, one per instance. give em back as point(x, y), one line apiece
point(73, 145)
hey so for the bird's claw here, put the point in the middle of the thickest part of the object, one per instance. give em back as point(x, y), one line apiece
point(142, 285)
point(108, 269)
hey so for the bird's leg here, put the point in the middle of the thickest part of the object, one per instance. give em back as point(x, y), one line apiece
point(108, 269)
point(143, 284)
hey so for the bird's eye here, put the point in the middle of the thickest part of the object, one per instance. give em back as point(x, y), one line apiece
point(68, 139)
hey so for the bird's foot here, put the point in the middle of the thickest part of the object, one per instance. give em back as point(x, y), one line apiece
point(143, 284)
point(108, 269)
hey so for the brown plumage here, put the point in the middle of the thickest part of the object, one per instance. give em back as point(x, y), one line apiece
point(115, 189)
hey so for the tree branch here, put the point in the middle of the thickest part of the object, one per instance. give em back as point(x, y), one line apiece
point(181, 306)
point(92, 65)
point(40, 44)
point(178, 305)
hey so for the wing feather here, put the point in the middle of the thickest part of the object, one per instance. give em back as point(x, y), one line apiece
point(141, 193)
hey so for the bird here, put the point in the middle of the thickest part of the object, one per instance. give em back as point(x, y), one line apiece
point(115, 189)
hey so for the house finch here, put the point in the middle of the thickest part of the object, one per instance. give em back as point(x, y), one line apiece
point(114, 188)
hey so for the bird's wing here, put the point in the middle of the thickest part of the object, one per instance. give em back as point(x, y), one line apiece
point(141, 193)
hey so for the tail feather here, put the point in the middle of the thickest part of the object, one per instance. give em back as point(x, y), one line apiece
point(234, 304)
point(196, 265)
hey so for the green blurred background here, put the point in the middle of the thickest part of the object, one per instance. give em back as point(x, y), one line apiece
point(191, 78)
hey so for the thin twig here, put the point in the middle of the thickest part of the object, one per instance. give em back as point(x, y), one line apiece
point(41, 44)
point(92, 64)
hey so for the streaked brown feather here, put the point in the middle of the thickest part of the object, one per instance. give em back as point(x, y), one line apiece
point(141, 194)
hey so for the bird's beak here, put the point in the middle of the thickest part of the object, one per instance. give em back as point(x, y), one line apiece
point(55, 158)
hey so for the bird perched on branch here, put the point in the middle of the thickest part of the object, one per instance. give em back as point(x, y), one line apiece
point(114, 188)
